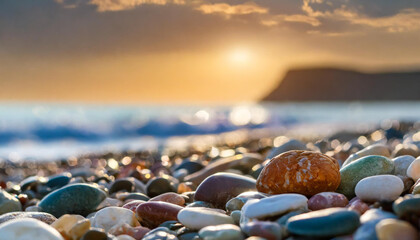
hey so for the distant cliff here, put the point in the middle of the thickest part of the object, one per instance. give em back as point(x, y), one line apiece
point(328, 84)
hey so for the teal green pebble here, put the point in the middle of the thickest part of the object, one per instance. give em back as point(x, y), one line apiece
point(407, 205)
point(324, 223)
point(221, 232)
point(73, 199)
point(364, 167)
point(8, 203)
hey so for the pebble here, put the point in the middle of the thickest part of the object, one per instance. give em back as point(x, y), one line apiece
point(121, 185)
point(132, 205)
point(44, 217)
point(358, 206)
point(413, 171)
point(159, 185)
point(173, 198)
point(95, 234)
point(369, 220)
point(303, 172)
point(28, 228)
point(221, 232)
point(219, 188)
point(324, 223)
point(8, 203)
point(65, 223)
point(364, 167)
point(265, 229)
point(113, 217)
point(407, 206)
point(327, 200)
point(379, 188)
point(287, 145)
point(401, 164)
point(274, 205)
point(375, 149)
point(79, 199)
point(198, 218)
point(390, 229)
point(160, 235)
point(152, 214)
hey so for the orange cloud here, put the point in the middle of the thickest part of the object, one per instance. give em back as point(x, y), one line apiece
point(228, 10)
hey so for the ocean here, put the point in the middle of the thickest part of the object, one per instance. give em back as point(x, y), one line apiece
point(51, 131)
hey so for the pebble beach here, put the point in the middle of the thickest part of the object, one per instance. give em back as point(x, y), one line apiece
point(348, 185)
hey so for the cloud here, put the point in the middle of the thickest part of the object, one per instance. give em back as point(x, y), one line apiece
point(117, 5)
point(228, 10)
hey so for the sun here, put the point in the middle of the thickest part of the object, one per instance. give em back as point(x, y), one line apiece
point(240, 56)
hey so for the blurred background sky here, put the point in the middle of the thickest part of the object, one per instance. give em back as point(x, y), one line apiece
point(184, 51)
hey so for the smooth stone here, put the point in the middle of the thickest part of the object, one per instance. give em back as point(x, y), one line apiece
point(125, 237)
point(364, 167)
point(157, 186)
point(401, 164)
point(283, 219)
point(41, 216)
point(406, 149)
point(243, 162)
point(190, 166)
point(407, 206)
point(79, 229)
point(79, 199)
point(390, 229)
point(152, 214)
point(265, 229)
point(236, 216)
point(8, 203)
point(221, 232)
point(32, 182)
point(170, 197)
point(369, 220)
point(287, 145)
point(324, 223)
point(58, 181)
point(160, 235)
point(379, 188)
point(201, 204)
point(357, 205)
point(112, 217)
point(134, 196)
point(375, 149)
point(95, 234)
point(189, 236)
point(65, 223)
point(274, 206)
point(137, 232)
point(198, 218)
point(235, 204)
point(408, 183)
point(375, 214)
point(121, 185)
point(219, 188)
point(413, 171)
point(252, 195)
point(171, 225)
point(327, 200)
point(28, 228)
point(132, 205)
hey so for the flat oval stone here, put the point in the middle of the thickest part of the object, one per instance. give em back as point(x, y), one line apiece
point(170, 197)
point(28, 228)
point(413, 171)
point(152, 214)
point(401, 164)
point(72, 199)
point(219, 188)
point(132, 205)
point(58, 181)
point(375, 214)
point(407, 205)
point(8, 203)
point(364, 167)
point(221, 232)
point(41, 216)
point(157, 186)
point(379, 188)
point(240, 161)
point(274, 205)
point(375, 149)
point(324, 223)
point(112, 217)
point(198, 218)
point(303, 172)
point(327, 200)
point(390, 229)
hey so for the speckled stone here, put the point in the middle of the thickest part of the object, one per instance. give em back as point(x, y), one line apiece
point(219, 188)
point(73, 199)
point(361, 168)
point(327, 200)
point(379, 188)
point(324, 223)
point(274, 206)
point(28, 228)
point(221, 232)
point(152, 214)
point(357, 205)
point(197, 218)
point(42, 216)
point(8, 203)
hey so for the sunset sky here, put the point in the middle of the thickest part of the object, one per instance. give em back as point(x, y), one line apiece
point(192, 51)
